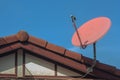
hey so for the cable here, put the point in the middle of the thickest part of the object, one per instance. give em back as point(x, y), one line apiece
point(90, 69)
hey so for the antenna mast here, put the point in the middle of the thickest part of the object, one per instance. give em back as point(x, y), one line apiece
point(91, 32)
point(90, 69)
point(78, 35)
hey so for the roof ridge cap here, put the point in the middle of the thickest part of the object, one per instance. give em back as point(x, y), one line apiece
point(22, 36)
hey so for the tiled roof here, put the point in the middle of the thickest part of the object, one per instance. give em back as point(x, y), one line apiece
point(59, 54)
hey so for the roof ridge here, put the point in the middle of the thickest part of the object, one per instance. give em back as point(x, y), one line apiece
point(23, 37)
point(20, 36)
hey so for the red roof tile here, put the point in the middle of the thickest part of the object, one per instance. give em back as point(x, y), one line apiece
point(55, 48)
point(73, 55)
point(106, 67)
point(22, 36)
point(57, 54)
point(10, 48)
point(2, 41)
point(117, 72)
point(36, 41)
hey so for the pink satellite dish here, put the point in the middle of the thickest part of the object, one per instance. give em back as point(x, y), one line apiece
point(91, 31)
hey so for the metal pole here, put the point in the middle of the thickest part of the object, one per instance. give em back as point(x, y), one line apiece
point(73, 21)
point(94, 51)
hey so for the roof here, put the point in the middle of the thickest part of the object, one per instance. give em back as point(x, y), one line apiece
point(58, 54)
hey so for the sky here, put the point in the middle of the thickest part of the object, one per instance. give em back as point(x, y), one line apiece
point(50, 20)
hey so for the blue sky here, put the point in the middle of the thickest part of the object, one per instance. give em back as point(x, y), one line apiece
point(50, 20)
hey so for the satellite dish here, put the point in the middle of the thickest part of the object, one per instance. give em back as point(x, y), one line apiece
point(89, 33)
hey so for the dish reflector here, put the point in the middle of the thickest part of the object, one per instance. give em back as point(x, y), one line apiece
point(91, 31)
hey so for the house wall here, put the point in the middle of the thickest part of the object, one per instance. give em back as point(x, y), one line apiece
point(20, 63)
point(24, 64)
point(37, 66)
point(7, 64)
point(61, 71)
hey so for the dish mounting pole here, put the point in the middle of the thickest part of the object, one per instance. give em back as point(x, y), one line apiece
point(78, 35)
point(94, 51)
point(90, 69)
